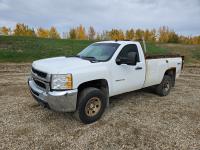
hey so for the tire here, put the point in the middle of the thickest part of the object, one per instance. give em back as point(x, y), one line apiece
point(163, 89)
point(91, 105)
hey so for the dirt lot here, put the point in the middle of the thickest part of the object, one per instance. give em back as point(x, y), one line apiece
point(140, 120)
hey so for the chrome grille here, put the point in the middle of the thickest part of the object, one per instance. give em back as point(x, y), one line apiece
point(39, 73)
point(41, 79)
point(40, 84)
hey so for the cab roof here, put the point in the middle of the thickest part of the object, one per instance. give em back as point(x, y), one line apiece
point(120, 42)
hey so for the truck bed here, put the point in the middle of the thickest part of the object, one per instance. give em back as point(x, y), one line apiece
point(156, 65)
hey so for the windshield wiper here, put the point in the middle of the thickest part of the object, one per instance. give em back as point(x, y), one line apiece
point(90, 58)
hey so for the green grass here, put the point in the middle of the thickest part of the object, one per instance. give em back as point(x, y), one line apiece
point(28, 49)
point(153, 49)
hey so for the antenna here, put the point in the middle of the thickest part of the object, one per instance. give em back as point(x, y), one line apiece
point(144, 44)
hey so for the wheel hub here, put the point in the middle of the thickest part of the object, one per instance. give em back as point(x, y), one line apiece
point(93, 106)
point(166, 86)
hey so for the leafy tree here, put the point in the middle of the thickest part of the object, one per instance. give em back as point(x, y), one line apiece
point(30, 32)
point(164, 34)
point(91, 33)
point(80, 33)
point(150, 35)
point(23, 30)
point(167, 36)
point(116, 34)
point(196, 40)
point(153, 35)
point(53, 33)
point(130, 34)
point(5, 31)
point(147, 35)
point(72, 33)
point(139, 34)
point(173, 37)
point(43, 33)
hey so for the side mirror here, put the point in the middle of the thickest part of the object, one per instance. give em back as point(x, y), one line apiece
point(119, 61)
point(130, 60)
point(122, 60)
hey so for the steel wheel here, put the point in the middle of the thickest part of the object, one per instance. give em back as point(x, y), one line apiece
point(166, 86)
point(93, 106)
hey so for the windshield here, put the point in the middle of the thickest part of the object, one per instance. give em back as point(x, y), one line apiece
point(99, 51)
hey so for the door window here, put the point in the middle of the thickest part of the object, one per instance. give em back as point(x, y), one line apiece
point(129, 48)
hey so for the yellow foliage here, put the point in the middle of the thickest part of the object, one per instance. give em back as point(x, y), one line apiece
point(167, 36)
point(53, 33)
point(163, 34)
point(4, 30)
point(23, 30)
point(116, 34)
point(130, 34)
point(43, 33)
point(72, 33)
point(80, 33)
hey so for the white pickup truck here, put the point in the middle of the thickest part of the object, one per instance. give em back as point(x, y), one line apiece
point(83, 83)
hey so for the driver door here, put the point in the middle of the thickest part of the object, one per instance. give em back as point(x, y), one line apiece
point(125, 77)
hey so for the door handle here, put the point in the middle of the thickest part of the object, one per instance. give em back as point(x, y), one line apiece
point(138, 68)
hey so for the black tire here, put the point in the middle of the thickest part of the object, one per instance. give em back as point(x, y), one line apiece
point(165, 86)
point(84, 98)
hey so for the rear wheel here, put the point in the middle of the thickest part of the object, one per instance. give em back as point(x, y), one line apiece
point(91, 105)
point(164, 87)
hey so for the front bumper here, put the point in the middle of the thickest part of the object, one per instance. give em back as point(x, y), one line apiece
point(63, 101)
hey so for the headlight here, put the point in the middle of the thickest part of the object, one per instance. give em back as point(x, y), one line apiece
point(61, 82)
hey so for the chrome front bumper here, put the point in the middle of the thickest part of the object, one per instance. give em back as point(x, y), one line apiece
point(63, 101)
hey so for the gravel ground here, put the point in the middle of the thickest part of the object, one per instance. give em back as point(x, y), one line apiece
point(136, 120)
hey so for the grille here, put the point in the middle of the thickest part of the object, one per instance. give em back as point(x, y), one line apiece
point(40, 84)
point(39, 73)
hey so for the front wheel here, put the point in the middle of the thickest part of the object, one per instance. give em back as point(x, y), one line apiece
point(164, 87)
point(91, 105)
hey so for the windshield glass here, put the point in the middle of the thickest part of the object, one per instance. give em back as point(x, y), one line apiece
point(99, 51)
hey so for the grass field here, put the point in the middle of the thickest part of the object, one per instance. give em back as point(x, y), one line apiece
point(27, 49)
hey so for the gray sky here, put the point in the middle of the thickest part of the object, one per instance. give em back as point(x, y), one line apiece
point(181, 15)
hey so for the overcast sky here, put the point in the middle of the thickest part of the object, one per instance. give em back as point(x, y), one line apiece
point(181, 15)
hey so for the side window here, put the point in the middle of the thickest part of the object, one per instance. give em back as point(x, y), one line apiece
point(129, 48)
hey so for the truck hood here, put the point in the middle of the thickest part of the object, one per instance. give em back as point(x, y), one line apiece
point(60, 65)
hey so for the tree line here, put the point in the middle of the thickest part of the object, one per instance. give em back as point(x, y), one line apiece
point(162, 35)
